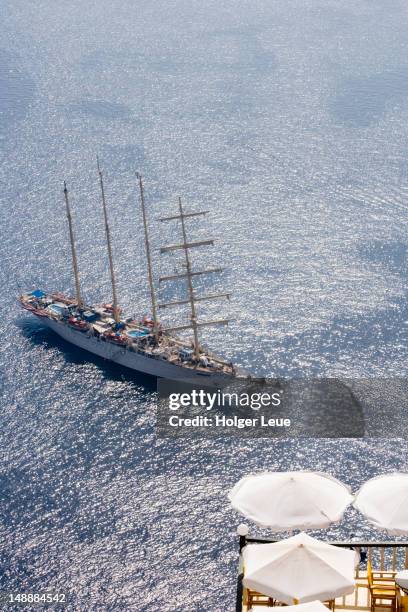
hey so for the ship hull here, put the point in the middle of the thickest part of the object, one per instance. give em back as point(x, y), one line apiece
point(135, 361)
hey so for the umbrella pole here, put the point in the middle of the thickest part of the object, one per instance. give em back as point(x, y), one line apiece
point(242, 531)
point(240, 593)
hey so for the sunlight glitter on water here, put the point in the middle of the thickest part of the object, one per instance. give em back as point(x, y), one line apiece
point(288, 121)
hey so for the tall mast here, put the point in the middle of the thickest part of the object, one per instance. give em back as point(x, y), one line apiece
point(108, 241)
point(148, 257)
point(188, 275)
point(193, 317)
point(73, 249)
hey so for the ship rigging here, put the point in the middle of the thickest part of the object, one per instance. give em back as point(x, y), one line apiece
point(145, 344)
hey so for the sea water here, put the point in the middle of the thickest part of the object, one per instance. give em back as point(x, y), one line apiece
point(288, 122)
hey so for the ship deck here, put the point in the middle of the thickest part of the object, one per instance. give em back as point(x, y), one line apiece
point(132, 334)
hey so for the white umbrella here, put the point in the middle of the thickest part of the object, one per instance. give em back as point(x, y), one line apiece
point(299, 569)
point(312, 606)
point(384, 501)
point(291, 500)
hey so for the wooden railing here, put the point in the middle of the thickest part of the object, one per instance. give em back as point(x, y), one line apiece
point(384, 556)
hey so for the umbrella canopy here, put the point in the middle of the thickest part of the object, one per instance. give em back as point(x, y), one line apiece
point(291, 500)
point(299, 569)
point(384, 501)
point(312, 606)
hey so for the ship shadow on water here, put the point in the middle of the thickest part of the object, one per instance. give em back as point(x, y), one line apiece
point(40, 335)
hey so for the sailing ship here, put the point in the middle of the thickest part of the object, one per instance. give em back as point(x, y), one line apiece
point(143, 344)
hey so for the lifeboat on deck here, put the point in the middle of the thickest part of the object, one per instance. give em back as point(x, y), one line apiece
point(77, 324)
point(116, 338)
point(41, 312)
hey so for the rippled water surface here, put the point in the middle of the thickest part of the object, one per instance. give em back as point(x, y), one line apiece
point(288, 121)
